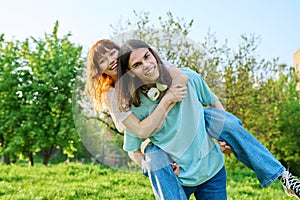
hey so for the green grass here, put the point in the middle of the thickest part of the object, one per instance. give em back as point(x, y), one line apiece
point(92, 181)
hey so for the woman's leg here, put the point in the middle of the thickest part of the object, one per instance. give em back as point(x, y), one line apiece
point(224, 126)
point(156, 165)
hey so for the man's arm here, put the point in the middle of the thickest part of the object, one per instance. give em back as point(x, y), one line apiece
point(138, 156)
point(223, 145)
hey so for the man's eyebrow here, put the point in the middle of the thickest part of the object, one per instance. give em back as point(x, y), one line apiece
point(147, 52)
point(138, 62)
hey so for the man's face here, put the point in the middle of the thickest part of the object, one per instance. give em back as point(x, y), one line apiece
point(143, 64)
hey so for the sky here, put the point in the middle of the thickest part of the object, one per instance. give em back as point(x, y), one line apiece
point(276, 22)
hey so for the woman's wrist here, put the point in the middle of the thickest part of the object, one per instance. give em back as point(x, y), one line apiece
point(167, 99)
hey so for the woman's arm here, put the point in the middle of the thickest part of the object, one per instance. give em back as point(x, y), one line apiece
point(154, 121)
point(178, 77)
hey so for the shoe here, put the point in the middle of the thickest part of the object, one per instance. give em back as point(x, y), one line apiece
point(290, 184)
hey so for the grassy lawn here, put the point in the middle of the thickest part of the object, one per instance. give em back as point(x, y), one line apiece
point(92, 181)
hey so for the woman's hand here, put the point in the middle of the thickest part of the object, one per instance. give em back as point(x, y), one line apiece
point(176, 93)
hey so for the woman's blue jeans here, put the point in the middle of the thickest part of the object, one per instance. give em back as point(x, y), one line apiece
point(222, 126)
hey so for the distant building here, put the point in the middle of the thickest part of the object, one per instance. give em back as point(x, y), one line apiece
point(297, 67)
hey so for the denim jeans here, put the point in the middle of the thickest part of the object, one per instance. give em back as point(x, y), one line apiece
point(224, 126)
point(166, 186)
point(215, 188)
point(156, 166)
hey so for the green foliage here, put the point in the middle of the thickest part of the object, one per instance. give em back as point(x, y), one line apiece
point(37, 78)
point(287, 146)
point(10, 117)
point(91, 181)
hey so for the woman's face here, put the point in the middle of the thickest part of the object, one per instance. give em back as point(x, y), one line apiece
point(144, 65)
point(108, 63)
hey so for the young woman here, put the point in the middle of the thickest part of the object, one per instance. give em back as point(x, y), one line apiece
point(140, 68)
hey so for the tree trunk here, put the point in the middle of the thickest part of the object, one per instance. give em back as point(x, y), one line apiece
point(6, 159)
point(1, 140)
point(47, 154)
point(31, 160)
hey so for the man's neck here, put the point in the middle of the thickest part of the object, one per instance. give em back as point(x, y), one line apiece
point(149, 85)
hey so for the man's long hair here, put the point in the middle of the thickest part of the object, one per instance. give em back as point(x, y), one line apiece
point(127, 86)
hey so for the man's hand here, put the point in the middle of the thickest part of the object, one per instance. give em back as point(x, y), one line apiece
point(225, 148)
point(175, 168)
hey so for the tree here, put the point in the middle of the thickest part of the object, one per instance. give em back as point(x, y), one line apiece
point(10, 117)
point(37, 96)
point(37, 81)
point(54, 62)
point(287, 144)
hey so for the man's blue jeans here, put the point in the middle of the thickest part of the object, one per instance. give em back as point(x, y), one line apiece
point(214, 188)
point(166, 186)
point(156, 165)
point(222, 126)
